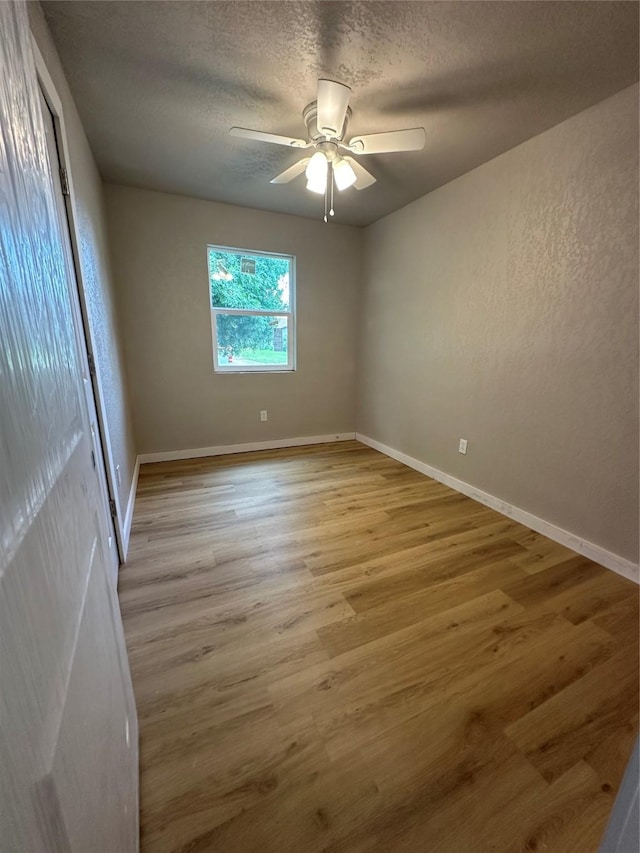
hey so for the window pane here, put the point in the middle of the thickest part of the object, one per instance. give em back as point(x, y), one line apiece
point(243, 280)
point(252, 341)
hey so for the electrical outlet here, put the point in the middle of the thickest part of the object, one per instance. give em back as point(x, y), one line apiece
point(462, 447)
point(263, 415)
point(118, 475)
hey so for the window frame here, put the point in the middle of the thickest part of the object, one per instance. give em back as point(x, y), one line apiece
point(290, 366)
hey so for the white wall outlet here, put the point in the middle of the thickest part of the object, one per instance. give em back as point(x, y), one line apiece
point(118, 475)
point(263, 415)
point(462, 447)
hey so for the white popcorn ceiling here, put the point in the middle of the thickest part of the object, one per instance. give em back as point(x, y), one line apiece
point(159, 84)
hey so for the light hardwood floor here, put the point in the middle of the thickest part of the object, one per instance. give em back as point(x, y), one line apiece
point(332, 652)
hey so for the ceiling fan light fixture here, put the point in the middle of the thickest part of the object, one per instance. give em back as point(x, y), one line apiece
point(317, 186)
point(327, 119)
point(317, 165)
point(344, 174)
point(316, 173)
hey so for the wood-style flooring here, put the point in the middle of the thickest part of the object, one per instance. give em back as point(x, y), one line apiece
point(331, 652)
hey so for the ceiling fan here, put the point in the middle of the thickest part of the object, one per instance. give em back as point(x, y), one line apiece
point(327, 119)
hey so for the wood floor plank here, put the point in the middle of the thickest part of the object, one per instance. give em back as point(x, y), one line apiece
point(621, 620)
point(373, 593)
point(540, 553)
point(359, 695)
point(316, 812)
point(610, 756)
point(567, 816)
point(573, 723)
point(404, 608)
point(332, 653)
point(253, 764)
point(590, 598)
point(452, 785)
point(440, 542)
point(348, 695)
point(562, 577)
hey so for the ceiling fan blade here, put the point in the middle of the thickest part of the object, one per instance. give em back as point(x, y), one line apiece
point(391, 141)
point(333, 100)
point(261, 136)
point(291, 173)
point(364, 179)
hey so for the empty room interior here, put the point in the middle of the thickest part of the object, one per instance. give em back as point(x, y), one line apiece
point(319, 440)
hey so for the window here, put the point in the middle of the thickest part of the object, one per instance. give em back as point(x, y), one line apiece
point(252, 310)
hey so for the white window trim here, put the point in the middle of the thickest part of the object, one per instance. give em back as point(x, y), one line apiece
point(290, 366)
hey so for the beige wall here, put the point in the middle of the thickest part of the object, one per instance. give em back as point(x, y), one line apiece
point(96, 273)
point(159, 257)
point(503, 308)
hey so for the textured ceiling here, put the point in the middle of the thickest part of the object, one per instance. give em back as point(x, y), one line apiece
point(159, 84)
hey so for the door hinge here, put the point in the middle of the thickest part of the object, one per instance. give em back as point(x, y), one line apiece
point(92, 364)
point(112, 509)
point(64, 181)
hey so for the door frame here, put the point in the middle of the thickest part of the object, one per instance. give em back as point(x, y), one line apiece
point(54, 102)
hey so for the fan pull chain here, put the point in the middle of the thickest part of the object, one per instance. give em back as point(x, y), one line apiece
point(331, 211)
point(326, 199)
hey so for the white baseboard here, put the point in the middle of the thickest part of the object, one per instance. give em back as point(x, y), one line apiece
point(223, 449)
point(594, 552)
point(128, 518)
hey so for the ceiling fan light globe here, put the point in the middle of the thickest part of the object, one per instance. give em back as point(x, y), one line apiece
point(344, 175)
point(317, 167)
point(317, 185)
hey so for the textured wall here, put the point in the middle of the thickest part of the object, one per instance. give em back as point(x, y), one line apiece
point(503, 308)
point(96, 274)
point(159, 257)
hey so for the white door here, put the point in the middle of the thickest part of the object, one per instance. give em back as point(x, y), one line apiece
point(96, 446)
point(68, 729)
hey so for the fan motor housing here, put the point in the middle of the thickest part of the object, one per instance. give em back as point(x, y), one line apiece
point(310, 115)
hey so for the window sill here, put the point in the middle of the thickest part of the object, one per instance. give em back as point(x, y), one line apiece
point(251, 372)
